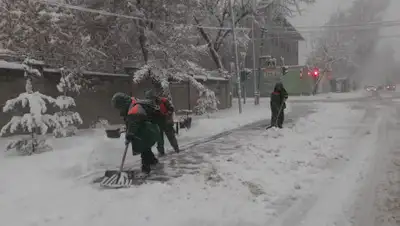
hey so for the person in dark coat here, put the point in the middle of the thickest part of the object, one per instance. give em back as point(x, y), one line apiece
point(164, 121)
point(141, 133)
point(278, 105)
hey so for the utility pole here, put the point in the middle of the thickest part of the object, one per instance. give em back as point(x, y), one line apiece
point(261, 57)
point(238, 85)
point(256, 93)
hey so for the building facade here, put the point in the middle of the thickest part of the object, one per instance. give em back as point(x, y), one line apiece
point(278, 39)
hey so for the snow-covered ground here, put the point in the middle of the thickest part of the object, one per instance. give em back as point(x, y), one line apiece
point(331, 96)
point(229, 119)
point(247, 178)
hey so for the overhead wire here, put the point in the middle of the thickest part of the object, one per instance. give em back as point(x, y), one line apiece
point(106, 13)
point(281, 29)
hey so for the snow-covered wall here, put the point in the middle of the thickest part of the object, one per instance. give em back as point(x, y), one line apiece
point(96, 104)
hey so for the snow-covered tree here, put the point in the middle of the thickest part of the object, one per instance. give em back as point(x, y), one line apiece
point(174, 57)
point(67, 118)
point(25, 26)
point(35, 121)
point(347, 49)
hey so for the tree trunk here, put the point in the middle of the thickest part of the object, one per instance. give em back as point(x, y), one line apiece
point(214, 54)
point(143, 41)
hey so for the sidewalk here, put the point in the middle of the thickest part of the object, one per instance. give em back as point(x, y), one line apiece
point(224, 120)
point(103, 154)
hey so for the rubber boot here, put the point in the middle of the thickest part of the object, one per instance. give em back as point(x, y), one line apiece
point(161, 151)
point(146, 169)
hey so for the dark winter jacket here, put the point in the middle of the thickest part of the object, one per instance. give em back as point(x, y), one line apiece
point(138, 116)
point(278, 97)
point(166, 108)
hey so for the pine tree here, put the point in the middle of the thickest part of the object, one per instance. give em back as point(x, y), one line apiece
point(67, 118)
point(36, 121)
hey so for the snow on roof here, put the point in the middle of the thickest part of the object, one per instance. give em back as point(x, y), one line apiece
point(10, 65)
point(5, 51)
point(35, 62)
point(213, 78)
point(18, 66)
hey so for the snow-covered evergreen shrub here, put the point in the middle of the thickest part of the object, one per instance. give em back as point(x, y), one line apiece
point(36, 121)
point(68, 119)
point(207, 102)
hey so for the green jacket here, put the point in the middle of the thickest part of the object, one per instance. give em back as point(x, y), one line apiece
point(140, 126)
point(138, 116)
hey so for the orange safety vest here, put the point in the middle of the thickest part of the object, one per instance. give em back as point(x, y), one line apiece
point(163, 107)
point(133, 108)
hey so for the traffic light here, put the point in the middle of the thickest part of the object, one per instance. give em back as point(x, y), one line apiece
point(315, 72)
point(284, 70)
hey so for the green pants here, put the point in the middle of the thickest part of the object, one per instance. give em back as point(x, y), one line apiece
point(168, 129)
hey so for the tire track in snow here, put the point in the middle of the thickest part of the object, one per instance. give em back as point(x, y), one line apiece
point(379, 204)
point(305, 210)
point(365, 207)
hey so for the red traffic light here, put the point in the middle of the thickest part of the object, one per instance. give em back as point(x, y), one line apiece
point(316, 72)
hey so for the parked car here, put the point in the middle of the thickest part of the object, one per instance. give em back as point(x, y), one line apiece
point(370, 88)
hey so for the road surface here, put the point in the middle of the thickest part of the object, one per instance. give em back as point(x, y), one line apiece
point(365, 190)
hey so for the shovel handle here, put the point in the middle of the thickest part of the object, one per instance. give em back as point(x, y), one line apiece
point(124, 157)
point(279, 112)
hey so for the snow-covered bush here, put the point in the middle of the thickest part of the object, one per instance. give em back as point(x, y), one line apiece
point(36, 121)
point(207, 102)
point(100, 123)
point(68, 119)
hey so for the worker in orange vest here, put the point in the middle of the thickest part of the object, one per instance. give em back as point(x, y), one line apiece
point(141, 133)
point(165, 121)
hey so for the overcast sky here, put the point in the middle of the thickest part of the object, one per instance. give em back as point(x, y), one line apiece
point(393, 14)
point(319, 13)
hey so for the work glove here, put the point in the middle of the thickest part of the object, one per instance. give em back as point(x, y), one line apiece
point(129, 137)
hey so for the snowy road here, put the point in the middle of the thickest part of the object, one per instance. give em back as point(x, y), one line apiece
point(331, 165)
point(378, 203)
point(363, 190)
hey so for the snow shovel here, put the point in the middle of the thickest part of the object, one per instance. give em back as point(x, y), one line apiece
point(277, 118)
point(118, 178)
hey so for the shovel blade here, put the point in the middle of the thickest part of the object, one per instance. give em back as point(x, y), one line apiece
point(110, 173)
point(117, 179)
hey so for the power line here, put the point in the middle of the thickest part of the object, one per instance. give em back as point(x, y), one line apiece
point(102, 12)
point(303, 29)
